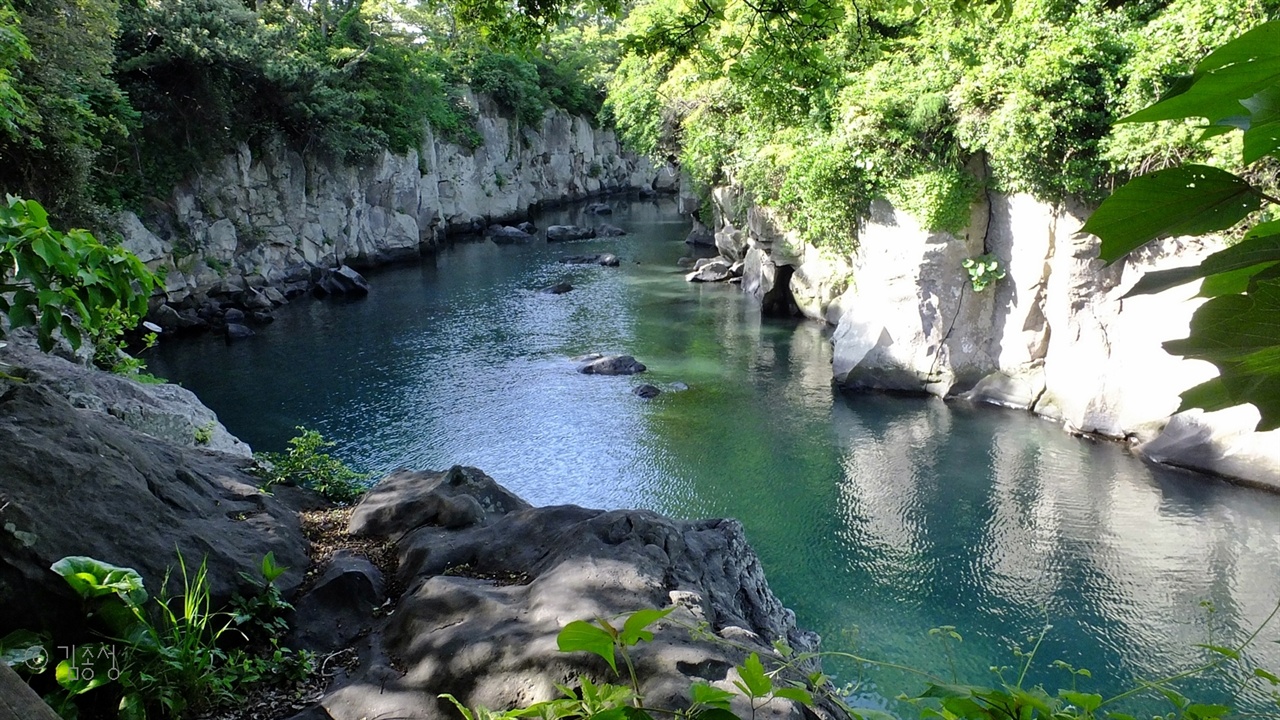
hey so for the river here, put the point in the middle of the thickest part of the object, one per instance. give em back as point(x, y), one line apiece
point(877, 518)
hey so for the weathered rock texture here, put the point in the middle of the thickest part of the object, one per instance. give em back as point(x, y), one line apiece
point(490, 581)
point(1054, 337)
point(96, 464)
point(258, 218)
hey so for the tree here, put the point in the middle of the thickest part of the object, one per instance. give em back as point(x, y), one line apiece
point(1235, 88)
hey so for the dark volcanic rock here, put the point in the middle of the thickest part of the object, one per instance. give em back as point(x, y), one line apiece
point(340, 606)
point(647, 391)
point(557, 289)
point(613, 365)
point(233, 316)
point(236, 331)
point(599, 209)
point(607, 230)
point(92, 465)
point(562, 233)
point(506, 235)
point(604, 259)
point(485, 600)
point(527, 227)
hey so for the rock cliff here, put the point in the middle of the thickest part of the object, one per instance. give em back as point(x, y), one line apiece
point(266, 217)
point(1053, 337)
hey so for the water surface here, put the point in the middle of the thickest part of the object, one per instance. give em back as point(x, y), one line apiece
point(877, 518)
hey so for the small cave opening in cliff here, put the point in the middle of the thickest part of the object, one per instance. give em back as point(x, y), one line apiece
point(779, 301)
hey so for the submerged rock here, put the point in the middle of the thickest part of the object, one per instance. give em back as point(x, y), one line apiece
point(557, 289)
point(603, 259)
point(506, 235)
point(236, 331)
point(607, 230)
point(564, 233)
point(647, 391)
point(613, 365)
point(599, 209)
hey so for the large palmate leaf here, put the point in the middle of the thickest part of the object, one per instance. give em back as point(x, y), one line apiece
point(1234, 267)
point(1187, 200)
point(1239, 70)
point(1240, 334)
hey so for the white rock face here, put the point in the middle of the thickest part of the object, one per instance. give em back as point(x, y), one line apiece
point(1053, 337)
point(255, 218)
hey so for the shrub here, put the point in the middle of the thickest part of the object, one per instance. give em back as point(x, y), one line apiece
point(305, 464)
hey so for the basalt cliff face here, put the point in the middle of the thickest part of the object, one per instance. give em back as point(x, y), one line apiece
point(1055, 337)
point(268, 217)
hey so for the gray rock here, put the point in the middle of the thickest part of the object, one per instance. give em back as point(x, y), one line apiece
point(599, 209)
point(352, 283)
point(700, 236)
point(607, 230)
point(406, 499)
point(340, 606)
point(686, 262)
point(166, 317)
point(714, 270)
point(527, 227)
point(647, 391)
point(256, 300)
point(613, 365)
point(236, 331)
point(485, 602)
point(603, 259)
point(275, 295)
point(261, 317)
point(557, 289)
point(80, 476)
point(506, 235)
point(564, 233)
point(679, 387)
point(233, 316)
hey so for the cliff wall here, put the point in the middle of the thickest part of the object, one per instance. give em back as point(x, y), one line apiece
point(1054, 337)
point(267, 217)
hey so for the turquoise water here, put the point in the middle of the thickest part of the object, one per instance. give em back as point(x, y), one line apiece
point(877, 518)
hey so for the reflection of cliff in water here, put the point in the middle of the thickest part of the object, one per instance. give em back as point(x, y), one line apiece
point(956, 507)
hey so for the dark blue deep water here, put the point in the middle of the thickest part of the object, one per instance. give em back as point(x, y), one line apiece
point(877, 518)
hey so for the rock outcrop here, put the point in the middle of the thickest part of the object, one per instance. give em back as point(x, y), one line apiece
point(254, 218)
point(1054, 337)
point(490, 581)
point(96, 464)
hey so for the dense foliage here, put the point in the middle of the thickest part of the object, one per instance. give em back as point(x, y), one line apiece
point(817, 108)
point(66, 282)
point(306, 464)
point(1237, 87)
point(109, 102)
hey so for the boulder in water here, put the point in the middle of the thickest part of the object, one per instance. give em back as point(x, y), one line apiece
point(613, 365)
point(602, 259)
point(647, 391)
point(607, 230)
point(557, 289)
point(599, 208)
point(565, 233)
point(506, 235)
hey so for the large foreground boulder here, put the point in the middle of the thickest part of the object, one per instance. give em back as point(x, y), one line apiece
point(96, 464)
point(490, 581)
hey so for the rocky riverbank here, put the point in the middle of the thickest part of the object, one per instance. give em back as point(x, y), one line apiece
point(98, 465)
point(1054, 337)
point(271, 217)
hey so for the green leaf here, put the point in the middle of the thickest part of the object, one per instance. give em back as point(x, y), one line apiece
point(936, 690)
point(1198, 711)
point(799, 695)
point(1222, 650)
point(582, 636)
point(1267, 675)
point(1087, 702)
point(1187, 200)
point(94, 578)
point(20, 314)
point(703, 694)
point(1252, 254)
point(271, 570)
point(1262, 137)
point(24, 650)
point(715, 713)
point(456, 703)
point(622, 713)
point(1234, 72)
point(755, 683)
point(635, 629)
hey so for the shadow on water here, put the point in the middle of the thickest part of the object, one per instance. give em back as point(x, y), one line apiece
point(876, 518)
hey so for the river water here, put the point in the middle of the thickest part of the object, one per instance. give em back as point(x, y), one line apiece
point(877, 518)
